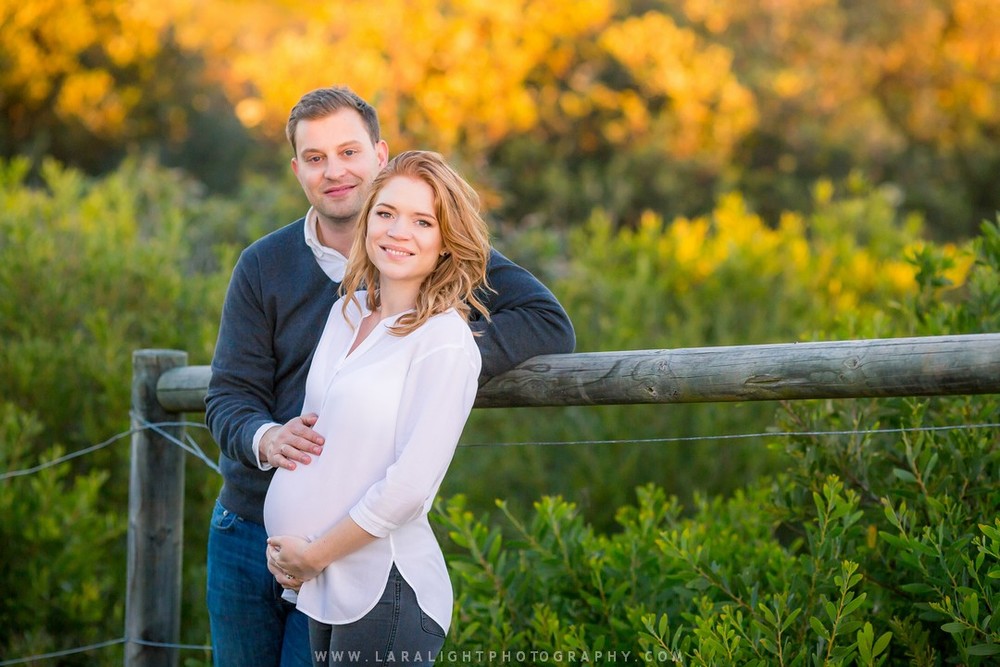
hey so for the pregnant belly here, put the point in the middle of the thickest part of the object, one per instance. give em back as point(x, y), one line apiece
point(303, 501)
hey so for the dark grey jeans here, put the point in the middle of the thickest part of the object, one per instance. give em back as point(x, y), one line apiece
point(395, 632)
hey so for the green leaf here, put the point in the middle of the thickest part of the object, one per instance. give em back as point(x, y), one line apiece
point(853, 605)
point(848, 627)
point(931, 464)
point(772, 620)
point(953, 628)
point(791, 618)
point(970, 607)
point(990, 531)
point(494, 547)
point(925, 549)
point(818, 628)
point(894, 540)
point(984, 649)
point(697, 584)
point(917, 588)
point(864, 643)
point(881, 644)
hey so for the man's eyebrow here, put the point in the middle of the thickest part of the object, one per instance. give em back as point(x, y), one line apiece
point(340, 146)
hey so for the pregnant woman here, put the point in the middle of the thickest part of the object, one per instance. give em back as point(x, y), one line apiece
point(393, 379)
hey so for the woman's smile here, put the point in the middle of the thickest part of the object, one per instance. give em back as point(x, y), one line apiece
point(404, 236)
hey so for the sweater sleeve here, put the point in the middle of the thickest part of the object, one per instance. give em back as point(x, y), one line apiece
point(240, 396)
point(526, 319)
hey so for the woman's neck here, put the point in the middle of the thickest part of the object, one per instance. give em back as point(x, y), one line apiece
point(396, 299)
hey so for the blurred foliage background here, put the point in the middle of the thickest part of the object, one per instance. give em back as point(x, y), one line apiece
point(555, 108)
point(682, 174)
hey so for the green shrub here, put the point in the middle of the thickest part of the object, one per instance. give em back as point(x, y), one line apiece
point(59, 585)
point(90, 270)
point(725, 278)
point(879, 544)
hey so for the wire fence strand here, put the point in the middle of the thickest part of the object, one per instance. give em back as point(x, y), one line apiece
point(61, 654)
point(63, 459)
point(738, 436)
point(99, 645)
point(192, 447)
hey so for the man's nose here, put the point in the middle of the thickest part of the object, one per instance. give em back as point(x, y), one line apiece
point(334, 169)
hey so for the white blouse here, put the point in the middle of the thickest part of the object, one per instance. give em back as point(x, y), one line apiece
point(392, 413)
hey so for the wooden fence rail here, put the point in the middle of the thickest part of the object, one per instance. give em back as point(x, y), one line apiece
point(163, 387)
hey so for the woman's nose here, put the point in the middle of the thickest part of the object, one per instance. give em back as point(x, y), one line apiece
point(396, 229)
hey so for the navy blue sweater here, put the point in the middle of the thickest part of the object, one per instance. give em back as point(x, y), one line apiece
point(275, 309)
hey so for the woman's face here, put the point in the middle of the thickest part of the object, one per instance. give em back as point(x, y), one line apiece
point(404, 236)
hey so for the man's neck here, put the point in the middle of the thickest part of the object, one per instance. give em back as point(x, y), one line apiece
point(335, 234)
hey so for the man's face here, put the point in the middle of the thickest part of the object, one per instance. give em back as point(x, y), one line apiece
point(335, 164)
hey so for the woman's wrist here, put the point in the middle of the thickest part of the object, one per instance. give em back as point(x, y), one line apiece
point(313, 559)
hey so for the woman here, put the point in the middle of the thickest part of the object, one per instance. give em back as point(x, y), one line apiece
point(393, 380)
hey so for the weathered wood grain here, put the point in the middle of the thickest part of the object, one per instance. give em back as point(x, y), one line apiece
point(155, 519)
point(917, 366)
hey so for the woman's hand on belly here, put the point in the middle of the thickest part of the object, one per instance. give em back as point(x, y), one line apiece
point(287, 555)
point(305, 559)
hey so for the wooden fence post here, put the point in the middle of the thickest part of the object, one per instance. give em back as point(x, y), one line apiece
point(155, 519)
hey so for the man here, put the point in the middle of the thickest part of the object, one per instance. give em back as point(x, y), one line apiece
point(280, 294)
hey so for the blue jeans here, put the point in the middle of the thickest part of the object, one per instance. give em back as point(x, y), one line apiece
point(395, 632)
point(251, 625)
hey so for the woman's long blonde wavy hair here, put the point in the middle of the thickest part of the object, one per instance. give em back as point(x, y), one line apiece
point(459, 274)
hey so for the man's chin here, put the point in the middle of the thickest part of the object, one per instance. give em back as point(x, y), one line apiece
point(338, 217)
